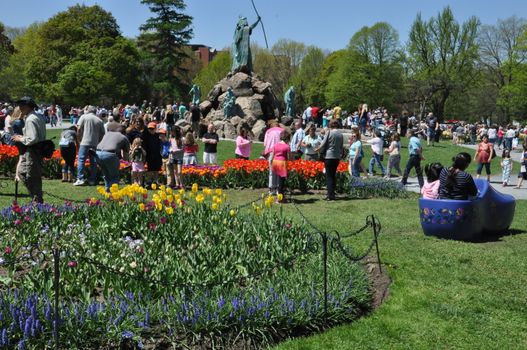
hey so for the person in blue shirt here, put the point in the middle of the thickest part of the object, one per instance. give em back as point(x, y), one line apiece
point(414, 161)
point(356, 153)
point(296, 142)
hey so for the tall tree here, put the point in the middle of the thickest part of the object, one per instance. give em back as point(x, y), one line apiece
point(15, 75)
point(163, 38)
point(6, 47)
point(78, 56)
point(305, 78)
point(442, 57)
point(276, 69)
point(378, 43)
point(293, 50)
point(501, 56)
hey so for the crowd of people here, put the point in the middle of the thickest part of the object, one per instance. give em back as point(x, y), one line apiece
point(149, 138)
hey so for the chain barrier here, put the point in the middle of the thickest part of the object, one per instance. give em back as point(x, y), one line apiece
point(245, 205)
point(336, 243)
point(63, 198)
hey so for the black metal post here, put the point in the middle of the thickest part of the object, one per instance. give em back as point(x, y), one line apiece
point(325, 262)
point(56, 279)
point(375, 235)
point(16, 191)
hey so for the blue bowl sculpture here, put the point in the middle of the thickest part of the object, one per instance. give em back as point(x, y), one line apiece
point(489, 213)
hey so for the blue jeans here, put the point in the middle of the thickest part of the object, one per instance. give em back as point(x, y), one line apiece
point(355, 169)
point(362, 125)
point(83, 154)
point(109, 163)
point(376, 158)
point(413, 162)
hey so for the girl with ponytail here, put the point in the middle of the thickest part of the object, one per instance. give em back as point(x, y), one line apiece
point(454, 182)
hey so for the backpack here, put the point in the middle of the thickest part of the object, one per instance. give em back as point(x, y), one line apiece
point(47, 147)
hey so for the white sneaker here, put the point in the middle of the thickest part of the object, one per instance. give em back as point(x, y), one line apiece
point(79, 183)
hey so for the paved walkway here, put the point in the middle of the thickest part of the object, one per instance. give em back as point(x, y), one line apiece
point(495, 180)
point(413, 185)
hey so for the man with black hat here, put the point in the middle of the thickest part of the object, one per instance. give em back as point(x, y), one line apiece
point(29, 169)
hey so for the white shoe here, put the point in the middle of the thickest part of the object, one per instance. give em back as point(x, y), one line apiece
point(79, 183)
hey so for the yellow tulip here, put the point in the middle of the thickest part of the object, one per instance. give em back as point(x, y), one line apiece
point(219, 192)
point(232, 213)
point(214, 206)
point(141, 207)
point(195, 188)
point(200, 198)
point(169, 210)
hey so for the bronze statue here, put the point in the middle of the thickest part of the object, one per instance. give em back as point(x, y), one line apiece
point(241, 48)
point(228, 104)
point(196, 94)
point(289, 99)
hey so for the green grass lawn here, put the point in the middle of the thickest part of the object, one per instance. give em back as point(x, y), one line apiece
point(444, 294)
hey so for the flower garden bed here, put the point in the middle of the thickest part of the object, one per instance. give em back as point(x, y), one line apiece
point(235, 173)
point(177, 267)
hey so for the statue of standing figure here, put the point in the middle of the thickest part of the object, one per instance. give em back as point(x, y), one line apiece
point(196, 94)
point(228, 104)
point(289, 99)
point(241, 48)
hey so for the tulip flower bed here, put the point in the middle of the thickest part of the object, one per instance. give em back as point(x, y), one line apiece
point(52, 167)
point(177, 267)
point(302, 175)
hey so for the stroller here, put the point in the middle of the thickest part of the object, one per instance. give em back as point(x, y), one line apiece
point(386, 134)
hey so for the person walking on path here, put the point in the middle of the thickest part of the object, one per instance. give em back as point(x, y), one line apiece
point(416, 155)
point(394, 160)
point(29, 169)
point(377, 153)
point(483, 156)
point(90, 133)
point(356, 153)
point(331, 148)
point(523, 168)
point(506, 167)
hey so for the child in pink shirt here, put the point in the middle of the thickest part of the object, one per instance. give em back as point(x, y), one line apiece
point(430, 189)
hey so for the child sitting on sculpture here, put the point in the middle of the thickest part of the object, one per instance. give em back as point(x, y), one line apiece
point(430, 189)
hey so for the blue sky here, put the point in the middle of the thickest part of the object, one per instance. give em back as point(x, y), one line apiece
point(328, 24)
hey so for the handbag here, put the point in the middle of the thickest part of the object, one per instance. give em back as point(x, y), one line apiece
point(523, 169)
